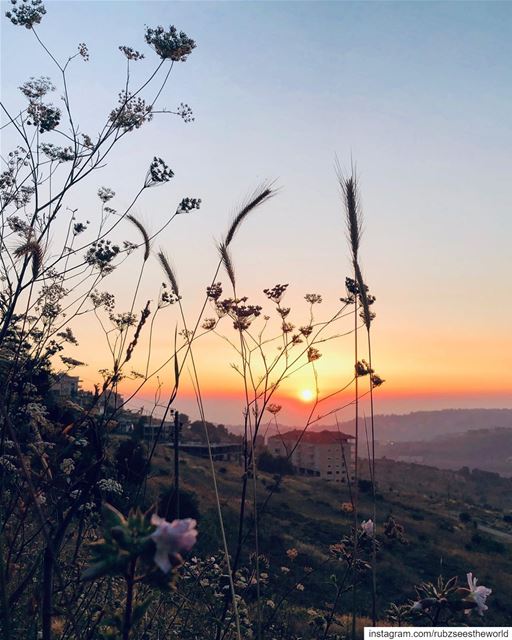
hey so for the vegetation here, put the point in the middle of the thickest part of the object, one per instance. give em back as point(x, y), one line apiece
point(86, 549)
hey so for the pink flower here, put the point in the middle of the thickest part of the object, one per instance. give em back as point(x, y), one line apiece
point(367, 527)
point(172, 538)
point(478, 594)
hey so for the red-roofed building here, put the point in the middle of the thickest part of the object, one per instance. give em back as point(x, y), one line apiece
point(323, 454)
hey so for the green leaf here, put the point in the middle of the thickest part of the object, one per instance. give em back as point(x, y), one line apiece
point(139, 610)
point(112, 517)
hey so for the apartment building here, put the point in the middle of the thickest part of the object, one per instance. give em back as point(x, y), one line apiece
point(66, 387)
point(322, 454)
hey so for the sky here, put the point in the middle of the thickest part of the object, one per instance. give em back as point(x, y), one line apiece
point(416, 95)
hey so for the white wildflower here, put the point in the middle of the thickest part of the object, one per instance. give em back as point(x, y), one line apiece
point(367, 527)
point(478, 594)
point(8, 463)
point(171, 538)
point(110, 486)
point(67, 466)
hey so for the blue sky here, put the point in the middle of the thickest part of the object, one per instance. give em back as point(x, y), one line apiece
point(417, 94)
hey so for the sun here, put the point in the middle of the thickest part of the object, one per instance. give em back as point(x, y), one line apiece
point(306, 395)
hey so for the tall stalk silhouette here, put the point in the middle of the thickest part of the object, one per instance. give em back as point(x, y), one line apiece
point(362, 302)
point(354, 228)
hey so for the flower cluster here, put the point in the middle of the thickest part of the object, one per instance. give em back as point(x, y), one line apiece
point(105, 194)
point(188, 204)
point(83, 51)
point(71, 363)
point(37, 87)
point(214, 291)
point(158, 173)
point(241, 314)
point(287, 327)
point(170, 44)
point(123, 320)
point(44, 116)
point(79, 227)
point(276, 293)
point(8, 463)
point(131, 54)
point(185, 112)
point(274, 408)
point(103, 299)
point(9, 188)
point(131, 113)
point(313, 354)
point(353, 290)
point(26, 14)
point(376, 380)
point(313, 298)
point(363, 368)
point(168, 297)
point(108, 485)
point(54, 152)
point(17, 225)
point(101, 254)
point(67, 466)
point(209, 324)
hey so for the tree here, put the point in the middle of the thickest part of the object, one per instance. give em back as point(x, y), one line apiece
point(130, 461)
point(274, 464)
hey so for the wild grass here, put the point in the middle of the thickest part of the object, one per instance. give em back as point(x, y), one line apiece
point(79, 542)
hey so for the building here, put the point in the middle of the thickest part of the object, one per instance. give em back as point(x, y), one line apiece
point(322, 454)
point(66, 387)
point(228, 451)
point(153, 429)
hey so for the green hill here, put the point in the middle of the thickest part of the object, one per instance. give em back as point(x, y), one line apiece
point(454, 523)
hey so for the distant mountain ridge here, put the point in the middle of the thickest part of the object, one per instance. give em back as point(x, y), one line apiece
point(428, 425)
point(485, 449)
point(417, 426)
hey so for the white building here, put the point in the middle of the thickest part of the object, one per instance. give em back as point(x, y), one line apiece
point(323, 454)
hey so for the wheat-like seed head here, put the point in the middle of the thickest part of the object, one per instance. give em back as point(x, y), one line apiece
point(144, 233)
point(33, 249)
point(225, 256)
point(354, 218)
point(169, 272)
point(263, 193)
point(363, 296)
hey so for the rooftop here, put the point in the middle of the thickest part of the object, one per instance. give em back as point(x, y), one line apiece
point(314, 437)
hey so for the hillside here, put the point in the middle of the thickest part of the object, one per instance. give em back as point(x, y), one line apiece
point(486, 449)
point(427, 425)
point(421, 425)
point(306, 514)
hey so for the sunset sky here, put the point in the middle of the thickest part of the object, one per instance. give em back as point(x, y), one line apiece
point(416, 95)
